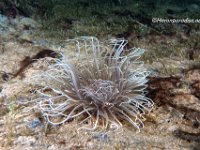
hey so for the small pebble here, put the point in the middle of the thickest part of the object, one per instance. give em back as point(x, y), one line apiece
point(103, 137)
point(34, 123)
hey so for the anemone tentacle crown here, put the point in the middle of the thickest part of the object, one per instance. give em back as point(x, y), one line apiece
point(100, 87)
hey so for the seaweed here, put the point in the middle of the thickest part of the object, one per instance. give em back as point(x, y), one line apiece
point(195, 137)
point(41, 54)
point(190, 137)
point(27, 61)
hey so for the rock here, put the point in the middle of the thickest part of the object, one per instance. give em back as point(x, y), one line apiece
point(41, 42)
point(5, 28)
point(25, 140)
point(193, 75)
point(26, 23)
point(34, 124)
point(7, 32)
point(103, 137)
point(173, 128)
point(51, 147)
point(20, 26)
point(2, 18)
point(3, 110)
point(26, 35)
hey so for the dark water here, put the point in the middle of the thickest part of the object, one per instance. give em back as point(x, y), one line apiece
point(105, 17)
point(79, 8)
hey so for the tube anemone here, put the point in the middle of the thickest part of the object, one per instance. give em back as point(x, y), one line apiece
point(101, 87)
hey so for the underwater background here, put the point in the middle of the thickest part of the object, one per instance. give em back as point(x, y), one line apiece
point(32, 31)
point(133, 20)
point(103, 17)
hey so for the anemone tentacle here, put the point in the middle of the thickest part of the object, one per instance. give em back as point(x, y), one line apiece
point(100, 89)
